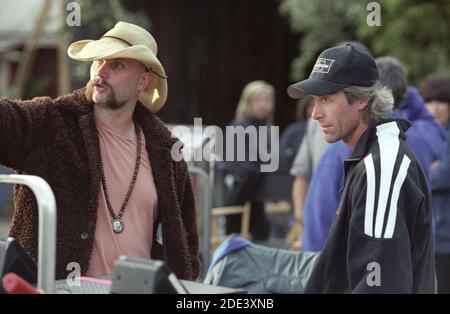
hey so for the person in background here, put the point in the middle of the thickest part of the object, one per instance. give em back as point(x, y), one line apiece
point(291, 138)
point(311, 149)
point(254, 110)
point(436, 92)
point(290, 141)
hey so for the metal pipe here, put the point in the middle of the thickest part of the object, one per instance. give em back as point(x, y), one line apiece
point(207, 205)
point(47, 226)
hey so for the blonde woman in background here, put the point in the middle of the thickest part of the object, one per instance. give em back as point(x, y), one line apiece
point(255, 109)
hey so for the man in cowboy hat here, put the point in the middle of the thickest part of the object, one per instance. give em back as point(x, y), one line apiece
point(107, 158)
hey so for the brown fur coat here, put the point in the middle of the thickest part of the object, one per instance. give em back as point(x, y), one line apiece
point(57, 140)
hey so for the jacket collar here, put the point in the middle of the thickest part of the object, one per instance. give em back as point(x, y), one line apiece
point(151, 125)
point(370, 134)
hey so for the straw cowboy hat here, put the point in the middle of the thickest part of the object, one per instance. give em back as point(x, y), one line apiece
point(130, 41)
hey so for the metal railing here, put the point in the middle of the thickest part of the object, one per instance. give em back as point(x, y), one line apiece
point(206, 205)
point(47, 226)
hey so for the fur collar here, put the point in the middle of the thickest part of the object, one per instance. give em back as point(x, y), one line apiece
point(151, 125)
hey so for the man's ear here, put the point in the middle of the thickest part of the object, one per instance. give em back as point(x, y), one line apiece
point(145, 81)
point(362, 104)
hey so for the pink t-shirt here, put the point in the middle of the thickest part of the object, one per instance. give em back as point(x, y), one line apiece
point(118, 152)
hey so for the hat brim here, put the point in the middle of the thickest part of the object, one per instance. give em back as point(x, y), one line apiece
point(154, 97)
point(316, 87)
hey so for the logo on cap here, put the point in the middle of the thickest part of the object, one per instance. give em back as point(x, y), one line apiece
point(323, 65)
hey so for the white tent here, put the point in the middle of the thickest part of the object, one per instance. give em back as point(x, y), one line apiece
point(31, 24)
point(18, 19)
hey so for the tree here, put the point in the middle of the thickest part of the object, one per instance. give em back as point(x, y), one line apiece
point(415, 32)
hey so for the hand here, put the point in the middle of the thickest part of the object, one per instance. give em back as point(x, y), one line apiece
point(434, 165)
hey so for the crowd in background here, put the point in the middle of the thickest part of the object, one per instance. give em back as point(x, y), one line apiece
point(318, 167)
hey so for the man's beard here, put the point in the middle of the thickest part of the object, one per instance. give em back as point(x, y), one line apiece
point(111, 101)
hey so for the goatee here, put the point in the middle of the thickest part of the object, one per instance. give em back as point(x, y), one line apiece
point(111, 101)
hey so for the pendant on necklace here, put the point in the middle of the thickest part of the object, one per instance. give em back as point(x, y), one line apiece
point(117, 225)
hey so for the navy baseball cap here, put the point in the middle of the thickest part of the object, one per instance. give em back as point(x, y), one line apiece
point(335, 69)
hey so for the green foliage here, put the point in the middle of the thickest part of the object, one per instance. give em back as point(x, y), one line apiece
point(416, 32)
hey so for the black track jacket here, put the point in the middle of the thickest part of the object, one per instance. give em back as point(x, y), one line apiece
point(381, 237)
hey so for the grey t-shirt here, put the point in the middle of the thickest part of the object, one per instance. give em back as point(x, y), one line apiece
point(312, 148)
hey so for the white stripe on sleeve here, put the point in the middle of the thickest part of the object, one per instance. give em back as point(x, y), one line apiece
point(388, 142)
point(403, 171)
point(370, 196)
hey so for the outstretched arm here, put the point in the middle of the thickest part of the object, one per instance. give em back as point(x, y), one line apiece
point(21, 124)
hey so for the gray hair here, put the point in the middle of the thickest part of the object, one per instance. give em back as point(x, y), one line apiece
point(380, 101)
point(392, 73)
